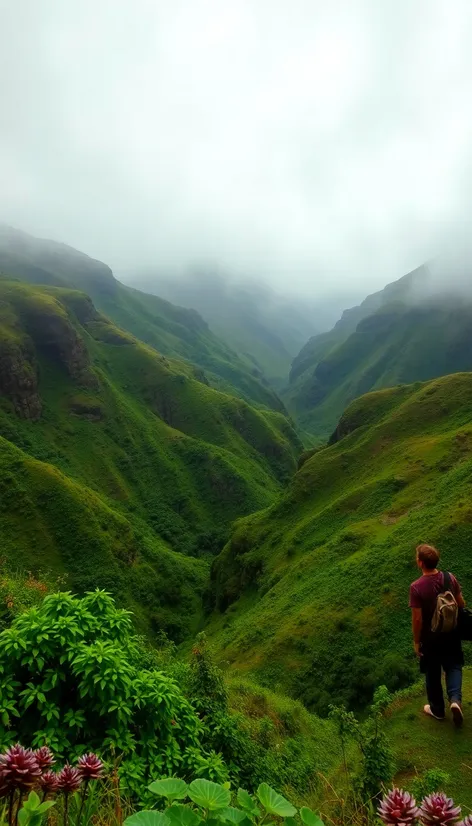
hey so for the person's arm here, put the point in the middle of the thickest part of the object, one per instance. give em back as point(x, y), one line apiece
point(416, 626)
point(458, 594)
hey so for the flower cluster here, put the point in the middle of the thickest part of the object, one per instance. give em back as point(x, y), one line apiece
point(398, 808)
point(23, 769)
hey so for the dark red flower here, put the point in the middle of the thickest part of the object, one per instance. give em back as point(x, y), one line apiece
point(398, 808)
point(49, 782)
point(90, 767)
point(69, 779)
point(439, 810)
point(19, 769)
point(45, 757)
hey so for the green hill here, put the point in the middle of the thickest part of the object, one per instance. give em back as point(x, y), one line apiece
point(117, 462)
point(172, 330)
point(311, 594)
point(397, 336)
point(266, 329)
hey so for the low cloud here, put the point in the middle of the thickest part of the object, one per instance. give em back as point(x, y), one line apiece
point(322, 148)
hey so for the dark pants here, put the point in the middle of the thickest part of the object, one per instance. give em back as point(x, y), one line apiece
point(433, 673)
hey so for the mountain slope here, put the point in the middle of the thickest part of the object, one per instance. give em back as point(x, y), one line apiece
point(124, 431)
point(172, 330)
point(262, 327)
point(400, 335)
point(316, 586)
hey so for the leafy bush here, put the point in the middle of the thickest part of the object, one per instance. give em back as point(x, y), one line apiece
point(212, 803)
point(71, 674)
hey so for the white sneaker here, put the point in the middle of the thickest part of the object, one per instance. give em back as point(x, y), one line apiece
point(457, 715)
point(427, 710)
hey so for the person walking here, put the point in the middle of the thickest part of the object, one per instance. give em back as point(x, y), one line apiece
point(438, 650)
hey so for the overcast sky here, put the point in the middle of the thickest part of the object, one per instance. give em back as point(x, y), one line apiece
point(319, 145)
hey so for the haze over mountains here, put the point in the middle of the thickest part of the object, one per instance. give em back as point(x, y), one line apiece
point(254, 319)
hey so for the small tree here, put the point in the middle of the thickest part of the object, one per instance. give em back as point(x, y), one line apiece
point(376, 769)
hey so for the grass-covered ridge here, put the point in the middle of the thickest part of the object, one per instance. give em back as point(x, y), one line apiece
point(172, 330)
point(116, 461)
point(397, 336)
point(312, 593)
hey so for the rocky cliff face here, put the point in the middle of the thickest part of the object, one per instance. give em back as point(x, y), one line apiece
point(19, 380)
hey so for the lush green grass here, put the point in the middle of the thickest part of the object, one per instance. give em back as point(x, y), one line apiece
point(312, 593)
point(117, 461)
point(420, 743)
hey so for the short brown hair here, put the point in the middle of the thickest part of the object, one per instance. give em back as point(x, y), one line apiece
point(428, 555)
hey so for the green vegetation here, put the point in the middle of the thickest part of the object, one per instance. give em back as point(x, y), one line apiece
point(419, 746)
point(71, 673)
point(311, 594)
point(171, 330)
point(126, 466)
point(116, 462)
point(394, 337)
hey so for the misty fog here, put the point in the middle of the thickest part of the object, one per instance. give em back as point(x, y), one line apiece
point(322, 148)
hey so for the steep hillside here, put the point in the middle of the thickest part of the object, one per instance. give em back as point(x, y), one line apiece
point(312, 593)
point(400, 335)
point(174, 331)
point(116, 459)
point(261, 326)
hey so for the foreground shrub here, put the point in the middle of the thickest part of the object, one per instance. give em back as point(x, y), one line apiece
point(70, 674)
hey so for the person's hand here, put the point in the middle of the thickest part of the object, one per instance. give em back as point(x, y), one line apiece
point(417, 647)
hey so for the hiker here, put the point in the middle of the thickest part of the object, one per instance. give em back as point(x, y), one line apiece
point(434, 601)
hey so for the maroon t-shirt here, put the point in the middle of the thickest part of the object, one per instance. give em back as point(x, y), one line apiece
point(423, 594)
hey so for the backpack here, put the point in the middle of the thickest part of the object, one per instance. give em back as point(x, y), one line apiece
point(446, 613)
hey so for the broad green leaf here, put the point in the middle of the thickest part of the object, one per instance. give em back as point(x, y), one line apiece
point(208, 795)
point(43, 807)
point(180, 815)
point(170, 787)
point(247, 802)
point(274, 803)
point(147, 818)
point(32, 802)
point(232, 815)
point(290, 821)
point(309, 818)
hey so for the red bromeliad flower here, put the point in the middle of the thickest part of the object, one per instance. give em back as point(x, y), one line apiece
point(49, 782)
point(19, 769)
point(45, 757)
point(398, 808)
point(69, 779)
point(439, 810)
point(90, 767)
